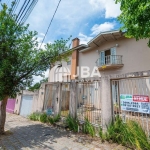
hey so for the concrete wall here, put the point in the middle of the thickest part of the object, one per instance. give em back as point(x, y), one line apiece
point(38, 99)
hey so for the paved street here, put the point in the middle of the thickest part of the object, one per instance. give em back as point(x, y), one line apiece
point(24, 134)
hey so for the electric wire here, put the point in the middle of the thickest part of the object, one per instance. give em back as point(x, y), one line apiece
point(28, 11)
point(25, 7)
point(50, 23)
point(20, 10)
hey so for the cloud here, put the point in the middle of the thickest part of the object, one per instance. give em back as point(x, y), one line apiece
point(84, 39)
point(70, 17)
point(111, 9)
point(107, 26)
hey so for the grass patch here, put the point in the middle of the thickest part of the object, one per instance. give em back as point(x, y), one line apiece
point(128, 134)
point(53, 119)
point(44, 118)
point(88, 128)
point(72, 123)
point(35, 116)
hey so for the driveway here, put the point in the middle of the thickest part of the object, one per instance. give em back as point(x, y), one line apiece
point(23, 134)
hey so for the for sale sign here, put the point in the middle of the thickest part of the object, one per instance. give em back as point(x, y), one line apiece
point(135, 103)
point(140, 98)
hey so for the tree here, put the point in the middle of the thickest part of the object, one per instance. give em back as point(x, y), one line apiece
point(20, 58)
point(135, 17)
point(37, 85)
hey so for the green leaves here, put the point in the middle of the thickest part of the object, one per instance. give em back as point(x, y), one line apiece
point(135, 17)
point(20, 57)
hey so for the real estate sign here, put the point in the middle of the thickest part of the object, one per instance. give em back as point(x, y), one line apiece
point(135, 103)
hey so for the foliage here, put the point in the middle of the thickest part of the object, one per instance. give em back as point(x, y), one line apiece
point(53, 119)
point(129, 134)
point(37, 85)
point(59, 50)
point(135, 17)
point(72, 123)
point(35, 116)
point(20, 57)
point(88, 128)
point(101, 135)
point(43, 118)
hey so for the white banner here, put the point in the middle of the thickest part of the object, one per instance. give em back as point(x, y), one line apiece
point(135, 103)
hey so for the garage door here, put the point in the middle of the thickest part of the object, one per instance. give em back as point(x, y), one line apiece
point(26, 105)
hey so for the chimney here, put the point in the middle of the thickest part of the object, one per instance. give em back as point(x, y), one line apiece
point(75, 42)
point(74, 62)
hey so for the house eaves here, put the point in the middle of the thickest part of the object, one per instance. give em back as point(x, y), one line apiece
point(106, 37)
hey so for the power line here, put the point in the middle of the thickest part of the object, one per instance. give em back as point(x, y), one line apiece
point(28, 11)
point(50, 23)
point(23, 9)
point(16, 5)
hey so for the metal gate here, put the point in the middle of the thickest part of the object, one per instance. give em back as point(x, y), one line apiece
point(89, 103)
point(51, 96)
point(26, 105)
point(131, 100)
point(65, 97)
point(50, 92)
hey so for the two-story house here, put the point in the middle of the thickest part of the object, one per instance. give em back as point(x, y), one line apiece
point(121, 64)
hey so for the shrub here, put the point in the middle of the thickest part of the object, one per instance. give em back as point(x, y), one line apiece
point(43, 118)
point(34, 116)
point(88, 128)
point(129, 134)
point(72, 123)
point(54, 119)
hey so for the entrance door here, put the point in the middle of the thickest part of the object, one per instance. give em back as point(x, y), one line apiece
point(26, 105)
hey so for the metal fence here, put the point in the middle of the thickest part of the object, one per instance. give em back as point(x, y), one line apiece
point(131, 100)
point(88, 103)
point(88, 100)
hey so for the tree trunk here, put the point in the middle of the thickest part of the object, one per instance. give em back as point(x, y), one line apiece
point(3, 114)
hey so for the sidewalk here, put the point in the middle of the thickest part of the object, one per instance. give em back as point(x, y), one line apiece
point(23, 134)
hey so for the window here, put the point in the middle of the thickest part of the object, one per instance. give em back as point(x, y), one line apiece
point(108, 56)
point(68, 62)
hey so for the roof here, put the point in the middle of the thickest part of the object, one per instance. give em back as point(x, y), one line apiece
point(106, 36)
point(103, 37)
point(80, 47)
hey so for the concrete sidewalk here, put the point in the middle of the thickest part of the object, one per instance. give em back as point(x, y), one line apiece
point(23, 134)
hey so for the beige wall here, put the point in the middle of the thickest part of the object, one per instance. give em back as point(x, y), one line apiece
point(38, 99)
point(136, 56)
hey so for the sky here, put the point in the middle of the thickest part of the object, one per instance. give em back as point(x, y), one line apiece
point(77, 18)
point(83, 18)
